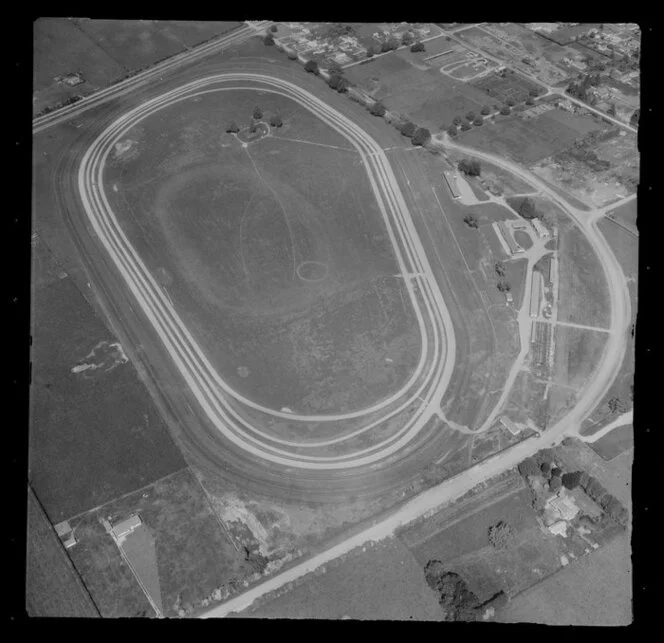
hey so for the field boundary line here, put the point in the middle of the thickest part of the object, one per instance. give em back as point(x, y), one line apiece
point(300, 140)
point(125, 495)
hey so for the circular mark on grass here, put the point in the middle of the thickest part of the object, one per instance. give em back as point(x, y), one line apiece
point(312, 271)
point(243, 371)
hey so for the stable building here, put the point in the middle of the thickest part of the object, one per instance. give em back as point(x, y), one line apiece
point(514, 247)
point(124, 528)
point(450, 179)
point(535, 293)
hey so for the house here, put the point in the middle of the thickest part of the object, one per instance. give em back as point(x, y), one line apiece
point(564, 506)
point(124, 528)
point(559, 528)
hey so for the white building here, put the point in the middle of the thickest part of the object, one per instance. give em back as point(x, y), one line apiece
point(124, 528)
point(540, 229)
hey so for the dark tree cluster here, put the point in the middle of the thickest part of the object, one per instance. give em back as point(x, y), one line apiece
point(232, 128)
point(276, 120)
point(524, 206)
point(338, 82)
point(470, 167)
point(377, 109)
point(457, 600)
point(471, 221)
point(311, 66)
point(418, 46)
point(528, 467)
point(617, 405)
point(504, 286)
point(421, 136)
point(501, 535)
point(268, 40)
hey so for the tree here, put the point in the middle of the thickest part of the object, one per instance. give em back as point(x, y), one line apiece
point(634, 120)
point(545, 455)
point(273, 28)
point(276, 120)
point(258, 113)
point(530, 100)
point(478, 121)
point(571, 480)
point(485, 111)
point(452, 130)
point(334, 81)
point(528, 467)
point(525, 207)
point(470, 167)
point(557, 472)
point(268, 40)
point(334, 67)
point(471, 221)
point(501, 535)
point(500, 269)
point(504, 286)
point(392, 43)
point(408, 129)
point(470, 116)
point(510, 102)
point(384, 47)
point(465, 126)
point(545, 468)
point(555, 483)
point(407, 39)
point(505, 110)
point(457, 120)
point(421, 136)
point(311, 66)
point(377, 109)
point(417, 47)
point(611, 111)
point(533, 93)
point(232, 128)
point(292, 55)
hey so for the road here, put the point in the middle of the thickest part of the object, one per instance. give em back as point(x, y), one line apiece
point(131, 84)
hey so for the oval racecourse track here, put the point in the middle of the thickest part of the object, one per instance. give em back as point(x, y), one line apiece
point(221, 405)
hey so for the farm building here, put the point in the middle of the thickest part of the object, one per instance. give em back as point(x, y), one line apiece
point(450, 179)
point(564, 506)
point(125, 527)
point(535, 293)
point(559, 528)
point(509, 425)
point(540, 229)
point(514, 247)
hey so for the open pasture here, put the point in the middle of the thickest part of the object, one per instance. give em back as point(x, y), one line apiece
point(427, 97)
point(275, 254)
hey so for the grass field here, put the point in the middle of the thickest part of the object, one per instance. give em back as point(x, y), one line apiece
point(531, 140)
point(384, 582)
point(577, 353)
point(470, 533)
point(593, 591)
point(53, 587)
point(276, 255)
point(103, 51)
point(614, 443)
point(193, 553)
point(625, 246)
point(427, 97)
point(94, 434)
point(583, 294)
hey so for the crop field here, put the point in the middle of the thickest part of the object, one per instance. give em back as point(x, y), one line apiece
point(614, 443)
point(94, 430)
point(625, 214)
point(379, 582)
point(276, 254)
point(583, 294)
point(528, 140)
point(60, 48)
point(194, 554)
point(503, 88)
point(577, 354)
point(103, 51)
point(428, 97)
point(53, 588)
point(625, 246)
